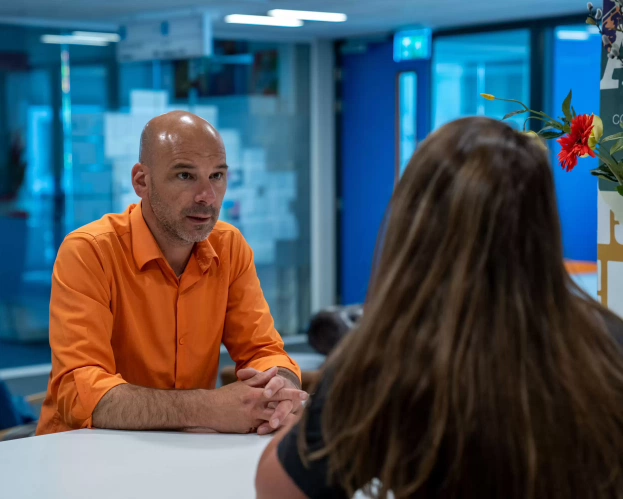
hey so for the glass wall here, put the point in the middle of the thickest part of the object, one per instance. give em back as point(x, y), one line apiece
point(466, 66)
point(70, 122)
point(498, 63)
point(32, 201)
point(407, 117)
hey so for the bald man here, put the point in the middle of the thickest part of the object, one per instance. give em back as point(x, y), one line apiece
point(141, 303)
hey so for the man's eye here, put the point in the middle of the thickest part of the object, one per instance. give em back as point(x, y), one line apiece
point(217, 176)
point(184, 176)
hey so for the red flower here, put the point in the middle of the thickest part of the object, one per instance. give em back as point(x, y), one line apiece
point(575, 144)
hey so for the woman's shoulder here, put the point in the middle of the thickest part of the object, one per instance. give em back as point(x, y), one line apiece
point(614, 325)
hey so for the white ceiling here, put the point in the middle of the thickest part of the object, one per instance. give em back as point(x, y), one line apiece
point(364, 16)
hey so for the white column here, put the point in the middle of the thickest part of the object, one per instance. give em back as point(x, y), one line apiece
point(322, 173)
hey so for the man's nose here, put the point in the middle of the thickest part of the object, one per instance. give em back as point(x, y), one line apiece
point(206, 194)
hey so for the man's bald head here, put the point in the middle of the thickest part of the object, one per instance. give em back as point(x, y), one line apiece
point(174, 131)
point(181, 177)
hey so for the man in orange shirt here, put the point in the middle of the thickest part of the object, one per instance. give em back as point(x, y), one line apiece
point(142, 301)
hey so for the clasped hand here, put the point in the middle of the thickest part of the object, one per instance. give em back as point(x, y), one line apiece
point(281, 412)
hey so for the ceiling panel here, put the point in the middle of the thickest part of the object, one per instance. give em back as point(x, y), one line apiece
point(365, 16)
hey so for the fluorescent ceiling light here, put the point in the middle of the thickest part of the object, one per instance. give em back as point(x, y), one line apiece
point(263, 21)
point(581, 34)
point(305, 15)
point(573, 35)
point(106, 37)
point(73, 40)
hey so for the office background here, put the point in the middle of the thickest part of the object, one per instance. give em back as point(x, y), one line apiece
point(318, 125)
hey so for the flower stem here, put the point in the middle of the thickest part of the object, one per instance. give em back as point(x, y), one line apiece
point(515, 102)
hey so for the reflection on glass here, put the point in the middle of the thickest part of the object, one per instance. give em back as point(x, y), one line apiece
point(71, 124)
point(407, 103)
point(467, 65)
point(28, 172)
point(254, 93)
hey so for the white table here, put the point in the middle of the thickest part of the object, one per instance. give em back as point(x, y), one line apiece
point(100, 464)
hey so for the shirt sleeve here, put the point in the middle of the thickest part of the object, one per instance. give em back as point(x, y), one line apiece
point(311, 479)
point(249, 334)
point(81, 322)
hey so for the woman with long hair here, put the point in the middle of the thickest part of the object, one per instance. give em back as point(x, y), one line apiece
point(479, 368)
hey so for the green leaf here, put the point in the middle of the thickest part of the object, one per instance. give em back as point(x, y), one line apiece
point(620, 189)
point(548, 122)
point(514, 113)
point(547, 116)
point(610, 138)
point(609, 178)
point(615, 167)
point(549, 128)
point(591, 21)
point(605, 173)
point(573, 113)
point(616, 147)
point(548, 135)
point(556, 125)
point(609, 161)
point(604, 168)
point(566, 107)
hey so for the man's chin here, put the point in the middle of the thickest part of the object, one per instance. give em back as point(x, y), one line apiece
point(197, 236)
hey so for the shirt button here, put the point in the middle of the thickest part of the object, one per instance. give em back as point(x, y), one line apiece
point(181, 341)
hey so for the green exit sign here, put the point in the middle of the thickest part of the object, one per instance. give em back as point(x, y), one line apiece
point(412, 44)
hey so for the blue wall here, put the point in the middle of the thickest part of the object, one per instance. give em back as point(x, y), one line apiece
point(577, 67)
point(368, 142)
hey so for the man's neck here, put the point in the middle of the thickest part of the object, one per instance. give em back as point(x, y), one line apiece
point(176, 253)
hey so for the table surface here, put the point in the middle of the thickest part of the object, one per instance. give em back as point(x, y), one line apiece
point(101, 464)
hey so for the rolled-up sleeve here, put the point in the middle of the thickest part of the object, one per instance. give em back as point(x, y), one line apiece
point(250, 335)
point(81, 322)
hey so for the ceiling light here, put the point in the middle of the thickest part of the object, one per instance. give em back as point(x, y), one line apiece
point(304, 15)
point(73, 40)
point(263, 21)
point(575, 35)
point(106, 37)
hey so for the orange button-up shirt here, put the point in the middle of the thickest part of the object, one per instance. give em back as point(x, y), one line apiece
point(119, 314)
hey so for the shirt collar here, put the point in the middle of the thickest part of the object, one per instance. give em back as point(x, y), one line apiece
point(145, 247)
point(204, 254)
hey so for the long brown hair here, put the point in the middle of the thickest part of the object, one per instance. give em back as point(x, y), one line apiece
point(479, 369)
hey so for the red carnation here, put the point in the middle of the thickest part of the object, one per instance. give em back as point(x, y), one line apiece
point(575, 144)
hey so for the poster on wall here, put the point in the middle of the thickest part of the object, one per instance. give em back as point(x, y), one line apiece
point(610, 219)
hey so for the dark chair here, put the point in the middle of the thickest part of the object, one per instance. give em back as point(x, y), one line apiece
point(328, 327)
point(17, 415)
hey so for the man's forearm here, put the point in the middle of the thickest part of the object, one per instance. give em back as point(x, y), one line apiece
point(289, 375)
point(130, 407)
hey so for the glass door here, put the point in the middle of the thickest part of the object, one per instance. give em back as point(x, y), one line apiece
point(406, 101)
point(465, 66)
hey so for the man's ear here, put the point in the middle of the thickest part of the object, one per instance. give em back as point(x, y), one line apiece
point(139, 179)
